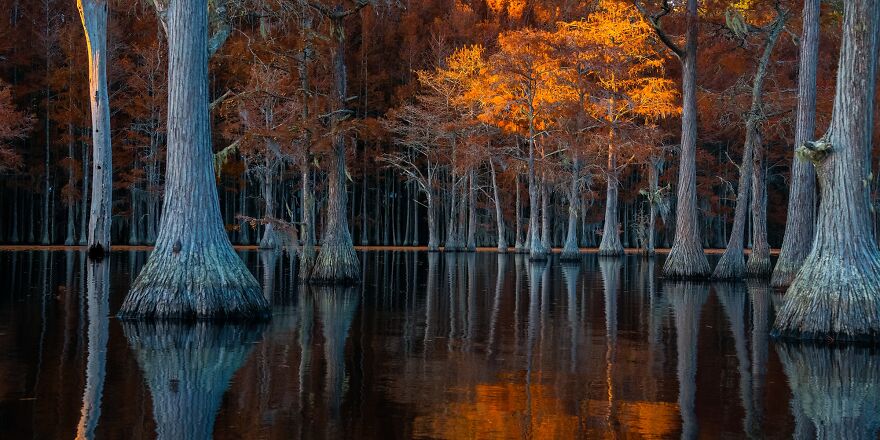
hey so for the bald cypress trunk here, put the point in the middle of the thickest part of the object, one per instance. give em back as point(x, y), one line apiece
point(610, 244)
point(193, 272)
point(752, 184)
point(686, 258)
point(520, 245)
point(472, 212)
point(337, 262)
point(801, 218)
point(545, 214)
point(94, 18)
point(499, 216)
point(571, 251)
point(836, 294)
point(537, 250)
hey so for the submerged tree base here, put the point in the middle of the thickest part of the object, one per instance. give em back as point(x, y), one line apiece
point(686, 262)
point(833, 300)
point(612, 252)
point(336, 264)
point(731, 266)
point(759, 266)
point(194, 283)
point(570, 255)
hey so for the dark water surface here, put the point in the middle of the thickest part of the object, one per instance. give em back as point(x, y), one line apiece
point(431, 346)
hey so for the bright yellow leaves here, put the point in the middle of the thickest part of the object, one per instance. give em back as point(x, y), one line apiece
point(613, 49)
point(601, 72)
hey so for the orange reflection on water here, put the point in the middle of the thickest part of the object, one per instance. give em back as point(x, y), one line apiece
point(512, 410)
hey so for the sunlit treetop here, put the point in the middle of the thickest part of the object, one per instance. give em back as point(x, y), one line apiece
point(612, 55)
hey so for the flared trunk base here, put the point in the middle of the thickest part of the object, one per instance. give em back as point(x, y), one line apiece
point(731, 266)
point(759, 266)
point(196, 284)
point(833, 300)
point(336, 264)
point(686, 262)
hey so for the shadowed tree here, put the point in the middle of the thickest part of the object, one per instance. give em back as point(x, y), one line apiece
point(188, 368)
point(337, 262)
point(837, 388)
point(752, 185)
point(801, 218)
point(97, 293)
point(686, 258)
point(193, 272)
point(836, 293)
point(94, 19)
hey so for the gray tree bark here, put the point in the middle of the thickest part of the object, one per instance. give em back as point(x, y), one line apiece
point(571, 251)
point(499, 216)
point(94, 18)
point(610, 244)
point(686, 258)
point(751, 182)
point(472, 212)
point(193, 272)
point(800, 223)
point(519, 246)
point(337, 262)
point(836, 294)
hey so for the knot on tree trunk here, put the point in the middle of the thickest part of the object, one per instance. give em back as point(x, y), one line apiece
point(814, 151)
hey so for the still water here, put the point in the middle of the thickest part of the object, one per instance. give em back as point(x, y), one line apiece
point(430, 346)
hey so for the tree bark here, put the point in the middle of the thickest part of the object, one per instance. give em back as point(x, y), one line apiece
point(472, 212)
point(752, 185)
point(835, 294)
point(267, 187)
point(519, 246)
point(800, 223)
point(610, 244)
point(94, 18)
point(571, 251)
point(545, 214)
point(537, 250)
point(337, 262)
point(499, 216)
point(686, 258)
point(193, 272)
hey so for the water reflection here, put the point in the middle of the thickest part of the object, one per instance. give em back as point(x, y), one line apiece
point(188, 368)
point(687, 299)
point(836, 388)
point(430, 346)
point(97, 294)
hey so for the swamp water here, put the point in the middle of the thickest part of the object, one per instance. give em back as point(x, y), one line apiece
point(430, 346)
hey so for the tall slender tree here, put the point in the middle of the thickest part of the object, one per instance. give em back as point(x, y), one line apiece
point(732, 263)
point(337, 262)
point(94, 19)
point(193, 272)
point(686, 259)
point(836, 294)
point(801, 219)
